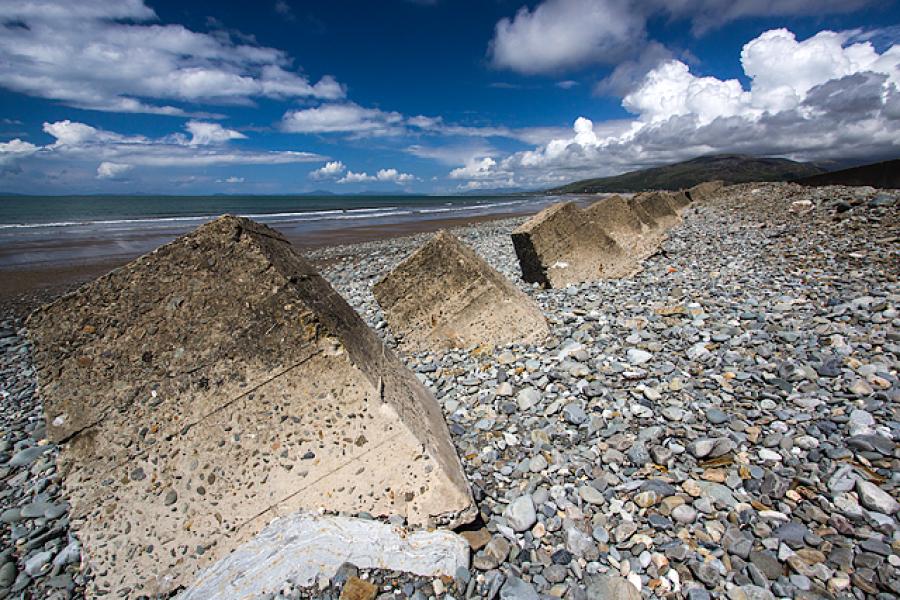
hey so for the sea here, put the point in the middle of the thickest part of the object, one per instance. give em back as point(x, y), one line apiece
point(55, 230)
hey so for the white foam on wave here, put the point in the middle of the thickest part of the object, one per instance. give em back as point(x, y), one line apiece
point(301, 216)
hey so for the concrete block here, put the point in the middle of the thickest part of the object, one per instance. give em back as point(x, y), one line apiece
point(444, 296)
point(562, 245)
point(214, 384)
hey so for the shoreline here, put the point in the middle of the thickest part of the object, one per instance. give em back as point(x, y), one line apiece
point(28, 287)
point(664, 409)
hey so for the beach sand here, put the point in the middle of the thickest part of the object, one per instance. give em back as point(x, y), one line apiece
point(25, 288)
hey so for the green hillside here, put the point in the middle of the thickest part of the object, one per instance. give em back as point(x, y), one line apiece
point(730, 168)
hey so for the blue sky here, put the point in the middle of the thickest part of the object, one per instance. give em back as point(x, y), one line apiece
point(443, 96)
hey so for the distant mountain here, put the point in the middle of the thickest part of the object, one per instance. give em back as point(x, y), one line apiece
point(884, 174)
point(510, 191)
point(318, 193)
point(730, 168)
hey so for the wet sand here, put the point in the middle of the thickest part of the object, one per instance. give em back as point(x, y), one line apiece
point(22, 289)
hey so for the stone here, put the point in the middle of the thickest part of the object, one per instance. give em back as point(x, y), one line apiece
point(767, 563)
point(477, 539)
point(11, 515)
point(497, 549)
point(591, 495)
point(7, 575)
point(874, 498)
point(750, 592)
point(24, 458)
point(697, 593)
point(646, 499)
point(684, 514)
point(716, 416)
point(555, 573)
point(527, 398)
point(561, 245)
point(706, 572)
point(303, 548)
point(219, 350)
point(574, 414)
point(735, 542)
point(520, 513)
point(717, 492)
point(446, 296)
point(517, 589)
point(792, 533)
point(578, 542)
point(357, 589)
point(607, 587)
point(710, 447)
point(35, 564)
point(637, 356)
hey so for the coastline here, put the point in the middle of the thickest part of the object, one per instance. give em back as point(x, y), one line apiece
point(750, 334)
point(28, 287)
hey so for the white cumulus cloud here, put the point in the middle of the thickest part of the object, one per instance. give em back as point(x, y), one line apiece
point(203, 133)
point(827, 96)
point(475, 169)
point(331, 169)
point(560, 34)
point(115, 56)
point(15, 149)
point(342, 118)
point(111, 170)
point(383, 175)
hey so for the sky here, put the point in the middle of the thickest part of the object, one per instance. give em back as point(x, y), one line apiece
point(430, 96)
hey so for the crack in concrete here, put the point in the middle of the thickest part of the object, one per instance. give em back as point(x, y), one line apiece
point(320, 478)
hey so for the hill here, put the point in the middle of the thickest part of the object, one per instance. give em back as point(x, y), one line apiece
point(884, 174)
point(730, 168)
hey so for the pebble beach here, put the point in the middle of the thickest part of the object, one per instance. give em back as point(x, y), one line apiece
point(721, 425)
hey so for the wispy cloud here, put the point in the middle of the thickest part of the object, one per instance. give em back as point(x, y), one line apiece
point(113, 56)
point(116, 154)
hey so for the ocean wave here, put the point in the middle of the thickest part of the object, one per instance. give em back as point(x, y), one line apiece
point(358, 213)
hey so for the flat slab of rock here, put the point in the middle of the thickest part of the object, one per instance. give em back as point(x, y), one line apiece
point(214, 384)
point(562, 245)
point(444, 295)
point(302, 548)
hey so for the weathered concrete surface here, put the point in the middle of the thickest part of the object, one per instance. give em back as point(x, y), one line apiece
point(680, 200)
point(619, 219)
point(302, 548)
point(562, 245)
point(444, 295)
point(658, 206)
point(704, 191)
point(216, 383)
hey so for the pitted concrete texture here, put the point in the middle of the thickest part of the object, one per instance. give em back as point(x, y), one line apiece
point(216, 383)
point(622, 223)
point(444, 296)
point(705, 191)
point(680, 200)
point(562, 245)
point(659, 206)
